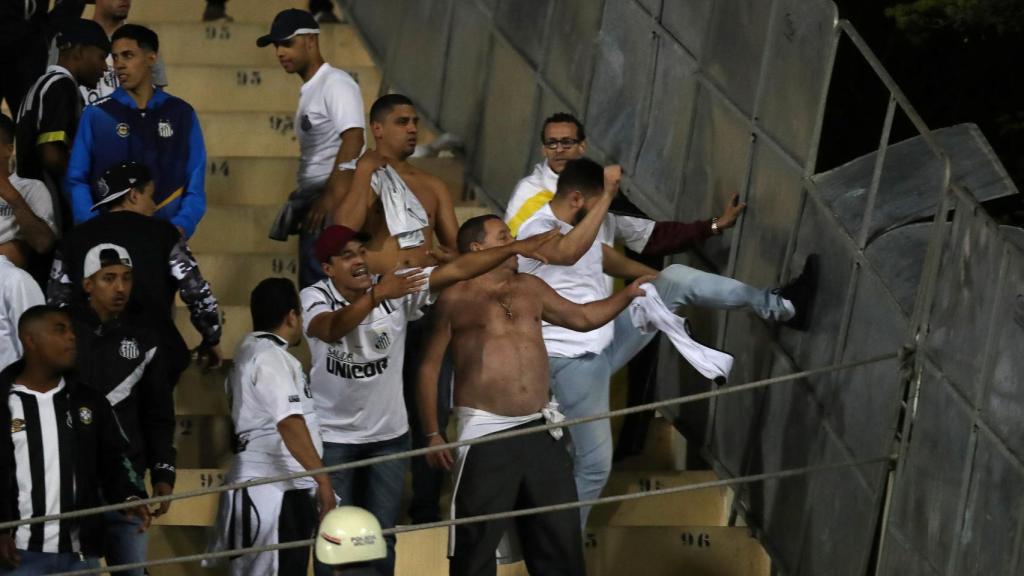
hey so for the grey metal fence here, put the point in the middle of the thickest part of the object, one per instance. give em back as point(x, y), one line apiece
point(698, 99)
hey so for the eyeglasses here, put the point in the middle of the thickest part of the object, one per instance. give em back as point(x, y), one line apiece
point(564, 143)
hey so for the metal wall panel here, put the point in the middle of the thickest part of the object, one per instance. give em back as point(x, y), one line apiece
point(925, 501)
point(524, 23)
point(1003, 405)
point(465, 73)
point(898, 258)
point(623, 69)
point(736, 48)
point(660, 167)
point(568, 60)
point(992, 520)
point(964, 299)
point(801, 29)
point(419, 59)
point(511, 96)
point(688, 22)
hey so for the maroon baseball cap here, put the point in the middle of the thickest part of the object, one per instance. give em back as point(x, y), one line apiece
point(333, 239)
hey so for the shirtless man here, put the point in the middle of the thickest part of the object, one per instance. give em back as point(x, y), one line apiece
point(493, 323)
point(394, 124)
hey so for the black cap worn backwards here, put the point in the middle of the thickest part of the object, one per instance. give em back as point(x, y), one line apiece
point(81, 32)
point(287, 24)
point(118, 181)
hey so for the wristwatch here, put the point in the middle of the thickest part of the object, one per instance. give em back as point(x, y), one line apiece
point(715, 229)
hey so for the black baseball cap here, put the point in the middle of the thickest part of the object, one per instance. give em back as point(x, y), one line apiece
point(81, 32)
point(118, 181)
point(287, 24)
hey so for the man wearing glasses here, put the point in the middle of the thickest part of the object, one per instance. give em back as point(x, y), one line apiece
point(582, 363)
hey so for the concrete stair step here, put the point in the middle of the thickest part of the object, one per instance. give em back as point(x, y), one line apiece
point(704, 507)
point(665, 449)
point(257, 11)
point(252, 89)
point(233, 276)
point(198, 511)
point(166, 541)
point(670, 551)
point(239, 229)
point(269, 180)
point(201, 393)
point(250, 180)
point(203, 441)
point(234, 44)
point(237, 323)
point(256, 134)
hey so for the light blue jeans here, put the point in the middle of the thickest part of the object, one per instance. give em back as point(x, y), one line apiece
point(581, 384)
point(125, 544)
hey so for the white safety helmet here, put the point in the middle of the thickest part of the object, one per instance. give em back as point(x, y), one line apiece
point(348, 535)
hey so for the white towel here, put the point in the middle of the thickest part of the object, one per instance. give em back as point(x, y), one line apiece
point(403, 211)
point(649, 313)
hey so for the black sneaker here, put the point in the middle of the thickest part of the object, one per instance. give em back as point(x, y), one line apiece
point(800, 292)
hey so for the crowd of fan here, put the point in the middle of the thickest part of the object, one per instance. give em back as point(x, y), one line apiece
point(94, 229)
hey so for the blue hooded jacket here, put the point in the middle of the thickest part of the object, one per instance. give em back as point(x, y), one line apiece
point(165, 136)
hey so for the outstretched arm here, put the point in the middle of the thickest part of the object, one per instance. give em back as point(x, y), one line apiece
point(333, 326)
point(426, 390)
point(583, 317)
point(473, 264)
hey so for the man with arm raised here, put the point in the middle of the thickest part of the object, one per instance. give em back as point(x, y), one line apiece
point(493, 325)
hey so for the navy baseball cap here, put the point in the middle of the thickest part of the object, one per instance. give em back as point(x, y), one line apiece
point(81, 32)
point(118, 181)
point(288, 24)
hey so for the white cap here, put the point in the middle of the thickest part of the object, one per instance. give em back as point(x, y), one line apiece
point(102, 255)
point(348, 535)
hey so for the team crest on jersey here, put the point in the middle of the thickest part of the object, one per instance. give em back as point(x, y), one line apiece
point(382, 342)
point(85, 415)
point(163, 128)
point(17, 425)
point(129, 349)
point(305, 123)
point(122, 130)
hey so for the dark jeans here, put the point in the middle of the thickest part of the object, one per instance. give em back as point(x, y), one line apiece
point(376, 488)
point(426, 481)
point(124, 543)
point(38, 563)
point(310, 271)
point(514, 474)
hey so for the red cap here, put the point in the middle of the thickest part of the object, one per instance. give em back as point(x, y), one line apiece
point(333, 239)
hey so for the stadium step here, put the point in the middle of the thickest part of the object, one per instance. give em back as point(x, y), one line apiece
point(704, 507)
point(255, 11)
point(256, 180)
point(200, 393)
point(238, 229)
point(230, 88)
point(198, 511)
point(255, 134)
point(674, 550)
point(203, 441)
point(233, 276)
point(234, 44)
